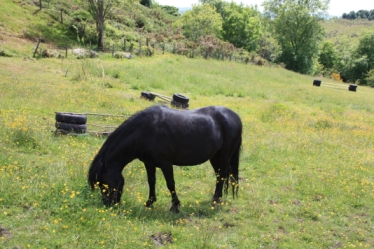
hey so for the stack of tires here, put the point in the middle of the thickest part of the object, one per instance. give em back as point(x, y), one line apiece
point(68, 123)
point(180, 101)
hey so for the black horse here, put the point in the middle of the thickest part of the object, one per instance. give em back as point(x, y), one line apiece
point(162, 137)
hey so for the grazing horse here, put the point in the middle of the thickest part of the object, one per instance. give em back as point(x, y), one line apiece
point(162, 137)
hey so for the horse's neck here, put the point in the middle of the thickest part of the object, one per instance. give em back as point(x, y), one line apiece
point(121, 151)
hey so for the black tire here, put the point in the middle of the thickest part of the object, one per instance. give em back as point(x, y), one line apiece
point(60, 132)
point(79, 128)
point(352, 87)
point(317, 83)
point(148, 96)
point(71, 118)
point(180, 98)
point(179, 105)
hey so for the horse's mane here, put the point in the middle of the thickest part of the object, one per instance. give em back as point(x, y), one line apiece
point(126, 127)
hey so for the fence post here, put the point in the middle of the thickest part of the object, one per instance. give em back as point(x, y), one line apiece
point(112, 50)
point(124, 45)
point(66, 50)
point(140, 48)
point(36, 49)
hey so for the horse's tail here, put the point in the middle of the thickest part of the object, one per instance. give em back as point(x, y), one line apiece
point(94, 173)
point(234, 170)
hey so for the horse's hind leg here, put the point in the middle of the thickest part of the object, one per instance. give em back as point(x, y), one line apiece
point(220, 165)
point(169, 177)
point(151, 172)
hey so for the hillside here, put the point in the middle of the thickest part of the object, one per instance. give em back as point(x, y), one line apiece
point(22, 24)
point(338, 29)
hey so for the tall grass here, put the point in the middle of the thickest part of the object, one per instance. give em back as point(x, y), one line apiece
point(305, 168)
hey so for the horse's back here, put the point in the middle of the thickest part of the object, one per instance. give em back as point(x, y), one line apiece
point(189, 137)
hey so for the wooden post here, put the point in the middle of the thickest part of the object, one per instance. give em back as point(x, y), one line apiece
point(112, 50)
point(90, 46)
point(36, 49)
point(140, 48)
point(66, 50)
point(124, 45)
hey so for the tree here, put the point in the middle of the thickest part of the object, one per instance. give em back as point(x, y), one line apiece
point(352, 15)
point(146, 3)
point(362, 61)
point(366, 47)
point(170, 10)
point(370, 78)
point(268, 47)
point(201, 20)
point(241, 26)
point(295, 25)
point(218, 4)
point(328, 55)
point(100, 10)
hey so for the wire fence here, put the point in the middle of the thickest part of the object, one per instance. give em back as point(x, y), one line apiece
point(147, 47)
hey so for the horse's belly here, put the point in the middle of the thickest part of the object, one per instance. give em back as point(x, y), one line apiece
point(193, 156)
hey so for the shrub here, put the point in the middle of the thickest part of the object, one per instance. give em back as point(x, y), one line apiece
point(370, 78)
point(336, 76)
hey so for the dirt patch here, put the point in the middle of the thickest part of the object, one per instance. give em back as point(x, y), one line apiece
point(4, 232)
point(273, 202)
point(162, 238)
point(228, 225)
point(296, 202)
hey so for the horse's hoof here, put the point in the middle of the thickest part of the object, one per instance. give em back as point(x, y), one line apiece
point(148, 204)
point(217, 202)
point(174, 210)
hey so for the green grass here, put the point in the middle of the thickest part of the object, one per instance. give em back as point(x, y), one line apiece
point(339, 30)
point(305, 171)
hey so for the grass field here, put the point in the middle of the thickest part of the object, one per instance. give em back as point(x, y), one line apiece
point(306, 168)
point(343, 30)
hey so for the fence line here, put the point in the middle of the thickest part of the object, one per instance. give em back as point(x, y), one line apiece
point(149, 48)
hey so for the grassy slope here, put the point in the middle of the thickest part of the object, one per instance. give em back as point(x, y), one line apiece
point(20, 21)
point(305, 166)
point(338, 30)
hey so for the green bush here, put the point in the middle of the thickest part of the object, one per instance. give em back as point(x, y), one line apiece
point(370, 78)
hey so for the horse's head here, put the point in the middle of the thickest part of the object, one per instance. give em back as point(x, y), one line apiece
point(110, 194)
point(111, 186)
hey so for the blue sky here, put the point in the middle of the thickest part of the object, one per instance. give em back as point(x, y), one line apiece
point(337, 7)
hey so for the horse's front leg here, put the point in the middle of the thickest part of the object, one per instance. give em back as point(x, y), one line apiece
point(151, 173)
point(169, 177)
